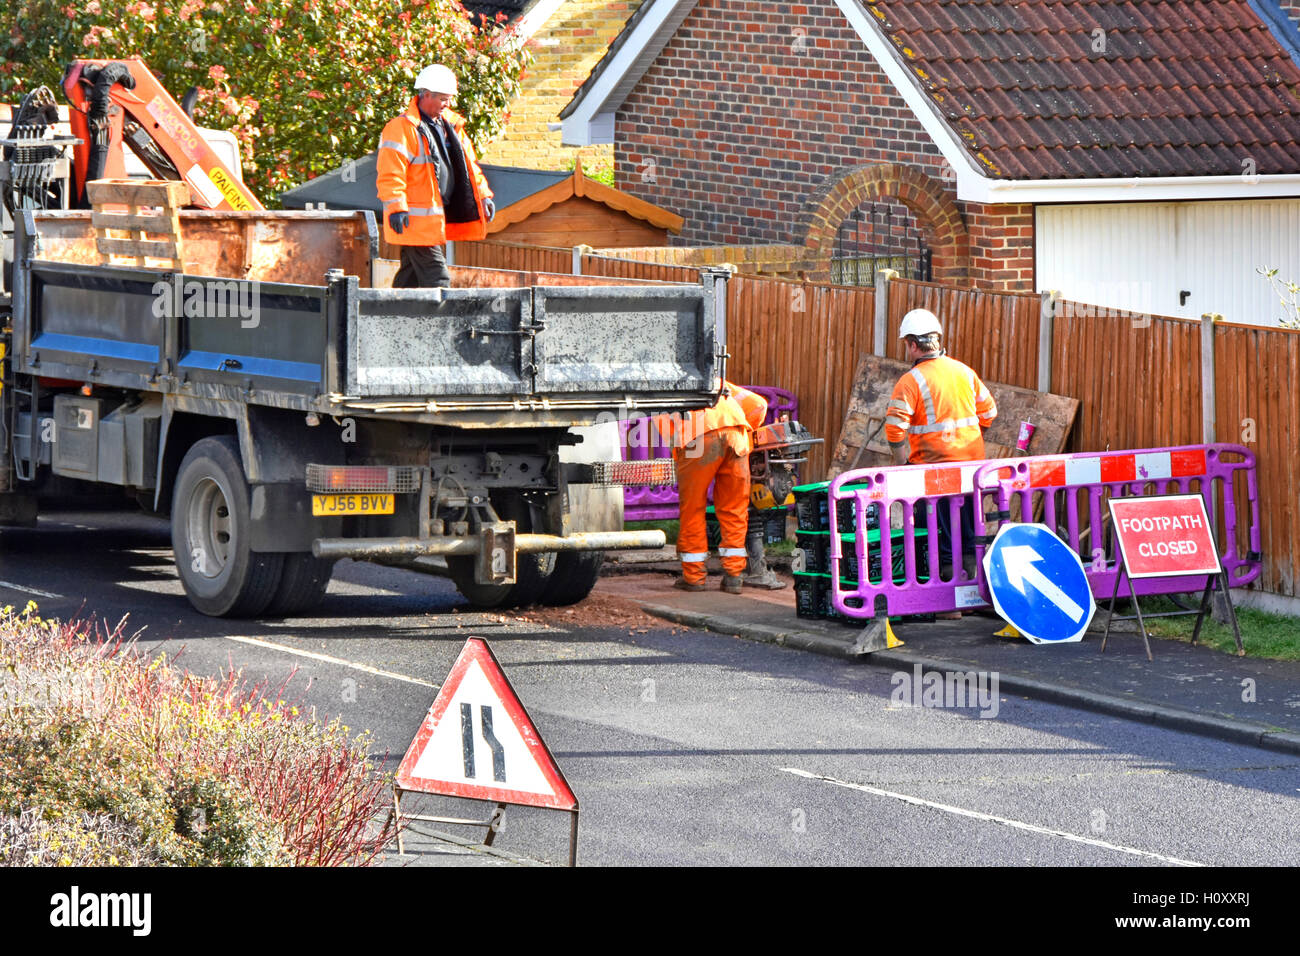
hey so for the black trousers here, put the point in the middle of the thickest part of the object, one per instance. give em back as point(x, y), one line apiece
point(423, 267)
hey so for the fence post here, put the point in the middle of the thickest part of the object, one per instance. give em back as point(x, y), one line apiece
point(1208, 417)
point(881, 331)
point(1046, 330)
point(578, 253)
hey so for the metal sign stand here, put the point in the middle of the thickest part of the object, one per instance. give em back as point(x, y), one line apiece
point(1221, 577)
point(494, 824)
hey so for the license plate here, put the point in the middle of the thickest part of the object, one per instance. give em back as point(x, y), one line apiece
point(351, 504)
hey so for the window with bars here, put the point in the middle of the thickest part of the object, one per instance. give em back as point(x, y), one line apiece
point(879, 235)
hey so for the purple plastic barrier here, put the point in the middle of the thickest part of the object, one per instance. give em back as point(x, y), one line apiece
point(1056, 483)
point(874, 494)
point(641, 441)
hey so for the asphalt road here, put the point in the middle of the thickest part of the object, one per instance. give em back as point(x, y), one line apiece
point(695, 748)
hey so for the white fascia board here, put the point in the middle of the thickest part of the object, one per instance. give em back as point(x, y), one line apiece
point(579, 127)
point(974, 186)
point(1144, 189)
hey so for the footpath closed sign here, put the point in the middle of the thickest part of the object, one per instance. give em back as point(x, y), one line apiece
point(1165, 536)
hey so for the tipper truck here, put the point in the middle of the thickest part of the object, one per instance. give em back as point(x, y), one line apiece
point(286, 413)
point(250, 376)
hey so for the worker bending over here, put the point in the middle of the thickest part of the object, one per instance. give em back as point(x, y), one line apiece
point(429, 182)
point(712, 446)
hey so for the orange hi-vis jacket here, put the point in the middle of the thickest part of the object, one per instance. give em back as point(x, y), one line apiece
point(941, 406)
point(407, 181)
point(736, 406)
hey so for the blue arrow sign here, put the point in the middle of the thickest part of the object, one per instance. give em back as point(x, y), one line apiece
point(1038, 584)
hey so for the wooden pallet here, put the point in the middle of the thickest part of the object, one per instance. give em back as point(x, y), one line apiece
point(152, 209)
point(862, 441)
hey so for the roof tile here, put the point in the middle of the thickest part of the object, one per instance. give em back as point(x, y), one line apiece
point(1180, 87)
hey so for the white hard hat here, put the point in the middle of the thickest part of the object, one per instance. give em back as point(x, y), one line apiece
point(919, 322)
point(436, 79)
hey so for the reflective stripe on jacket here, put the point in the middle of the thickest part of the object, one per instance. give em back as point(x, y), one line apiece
point(941, 406)
point(406, 181)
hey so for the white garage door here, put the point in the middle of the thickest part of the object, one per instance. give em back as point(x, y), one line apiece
point(1182, 259)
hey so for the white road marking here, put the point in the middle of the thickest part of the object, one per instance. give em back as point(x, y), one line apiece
point(20, 587)
point(976, 815)
point(327, 659)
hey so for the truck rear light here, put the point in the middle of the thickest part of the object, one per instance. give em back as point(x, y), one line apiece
point(653, 471)
point(340, 479)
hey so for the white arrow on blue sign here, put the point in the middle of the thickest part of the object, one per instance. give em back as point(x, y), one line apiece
point(1038, 584)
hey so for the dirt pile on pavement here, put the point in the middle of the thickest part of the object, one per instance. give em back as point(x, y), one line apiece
point(598, 610)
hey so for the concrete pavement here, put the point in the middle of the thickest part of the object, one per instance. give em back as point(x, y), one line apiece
point(1196, 689)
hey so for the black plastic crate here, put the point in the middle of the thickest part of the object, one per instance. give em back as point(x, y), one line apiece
point(810, 506)
point(774, 526)
point(808, 590)
point(814, 546)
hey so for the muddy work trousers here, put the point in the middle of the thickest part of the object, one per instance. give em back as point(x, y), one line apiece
point(423, 267)
point(719, 457)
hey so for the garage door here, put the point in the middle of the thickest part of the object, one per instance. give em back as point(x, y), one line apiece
point(1182, 259)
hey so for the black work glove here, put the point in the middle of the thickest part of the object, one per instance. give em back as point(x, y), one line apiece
point(490, 208)
point(399, 221)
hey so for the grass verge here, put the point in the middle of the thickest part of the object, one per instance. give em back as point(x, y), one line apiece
point(111, 758)
point(1263, 634)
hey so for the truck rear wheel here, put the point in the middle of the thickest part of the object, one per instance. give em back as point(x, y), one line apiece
point(532, 571)
point(303, 584)
point(211, 534)
point(575, 574)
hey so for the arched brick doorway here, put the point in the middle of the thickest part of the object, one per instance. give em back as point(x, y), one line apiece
point(936, 215)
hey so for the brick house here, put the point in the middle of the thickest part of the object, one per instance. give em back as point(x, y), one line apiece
point(1136, 154)
point(567, 38)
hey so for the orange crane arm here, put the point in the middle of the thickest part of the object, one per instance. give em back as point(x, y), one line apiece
point(104, 93)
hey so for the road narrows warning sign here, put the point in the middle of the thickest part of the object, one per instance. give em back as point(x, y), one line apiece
point(477, 741)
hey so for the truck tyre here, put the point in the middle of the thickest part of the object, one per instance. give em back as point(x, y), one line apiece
point(532, 571)
point(212, 531)
point(574, 576)
point(303, 584)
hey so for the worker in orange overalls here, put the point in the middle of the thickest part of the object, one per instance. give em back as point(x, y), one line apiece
point(940, 408)
point(938, 412)
point(429, 182)
point(712, 445)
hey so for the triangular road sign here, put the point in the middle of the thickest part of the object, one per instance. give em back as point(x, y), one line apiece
point(477, 741)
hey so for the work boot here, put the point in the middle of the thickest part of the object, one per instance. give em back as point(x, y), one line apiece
point(732, 583)
point(768, 581)
point(683, 585)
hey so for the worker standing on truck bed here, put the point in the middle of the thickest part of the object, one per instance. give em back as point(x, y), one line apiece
point(712, 446)
point(430, 183)
point(938, 412)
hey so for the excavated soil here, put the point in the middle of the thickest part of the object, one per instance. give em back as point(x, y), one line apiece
point(598, 610)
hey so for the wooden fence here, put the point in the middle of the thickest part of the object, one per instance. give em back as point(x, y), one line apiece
point(514, 255)
point(1139, 378)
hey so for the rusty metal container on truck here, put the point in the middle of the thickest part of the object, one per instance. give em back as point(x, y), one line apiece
point(285, 410)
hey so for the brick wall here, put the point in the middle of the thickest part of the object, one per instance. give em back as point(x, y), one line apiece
point(1002, 246)
point(564, 50)
point(751, 114)
point(787, 261)
point(1292, 8)
point(748, 108)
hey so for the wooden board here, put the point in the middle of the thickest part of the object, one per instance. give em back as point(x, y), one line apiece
point(138, 192)
point(862, 437)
